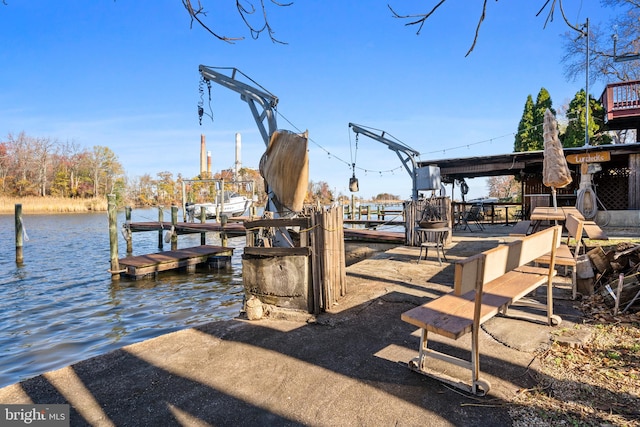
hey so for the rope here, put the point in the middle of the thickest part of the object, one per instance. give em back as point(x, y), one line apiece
point(587, 195)
point(25, 236)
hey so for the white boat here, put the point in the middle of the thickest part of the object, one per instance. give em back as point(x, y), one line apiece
point(232, 204)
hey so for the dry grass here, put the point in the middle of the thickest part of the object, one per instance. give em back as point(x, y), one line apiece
point(597, 384)
point(39, 205)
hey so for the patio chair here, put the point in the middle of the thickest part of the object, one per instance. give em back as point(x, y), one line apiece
point(564, 255)
point(472, 216)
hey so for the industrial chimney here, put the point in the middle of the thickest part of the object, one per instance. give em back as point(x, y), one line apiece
point(209, 175)
point(203, 156)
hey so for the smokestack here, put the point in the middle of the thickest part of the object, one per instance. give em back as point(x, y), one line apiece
point(203, 154)
point(238, 156)
point(209, 164)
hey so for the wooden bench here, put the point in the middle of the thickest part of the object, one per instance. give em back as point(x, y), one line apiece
point(485, 284)
point(564, 254)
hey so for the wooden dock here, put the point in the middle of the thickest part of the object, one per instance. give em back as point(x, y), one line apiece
point(237, 229)
point(232, 229)
point(372, 223)
point(141, 266)
point(373, 236)
point(144, 265)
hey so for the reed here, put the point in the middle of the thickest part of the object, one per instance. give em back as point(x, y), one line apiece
point(50, 204)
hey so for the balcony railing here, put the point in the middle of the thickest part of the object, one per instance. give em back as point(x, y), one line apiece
point(620, 99)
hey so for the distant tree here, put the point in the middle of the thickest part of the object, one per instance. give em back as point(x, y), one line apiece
point(525, 127)
point(319, 192)
point(166, 189)
point(383, 197)
point(105, 170)
point(503, 187)
point(4, 166)
point(574, 135)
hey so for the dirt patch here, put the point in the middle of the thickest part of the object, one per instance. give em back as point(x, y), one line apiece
point(593, 384)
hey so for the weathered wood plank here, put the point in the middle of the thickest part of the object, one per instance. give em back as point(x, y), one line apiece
point(277, 251)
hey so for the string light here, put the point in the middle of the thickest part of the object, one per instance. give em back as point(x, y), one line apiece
point(386, 134)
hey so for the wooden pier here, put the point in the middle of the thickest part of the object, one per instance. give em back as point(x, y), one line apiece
point(231, 229)
point(141, 266)
point(144, 265)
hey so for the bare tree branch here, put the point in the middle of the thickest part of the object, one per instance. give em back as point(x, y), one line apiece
point(246, 9)
point(195, 15)
point(475, 38)
point(564, 17)
point(422, 17)
point(250, 9)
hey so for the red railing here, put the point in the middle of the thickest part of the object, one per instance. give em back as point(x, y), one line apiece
point(618, 99)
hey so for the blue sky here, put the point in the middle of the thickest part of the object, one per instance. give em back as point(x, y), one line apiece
point(124, 74)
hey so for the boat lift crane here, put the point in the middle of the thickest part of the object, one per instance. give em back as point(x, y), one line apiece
point(406, 155)
point(263, 105)
point(253, 96)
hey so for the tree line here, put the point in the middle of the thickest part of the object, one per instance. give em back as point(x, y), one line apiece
point(41, 166)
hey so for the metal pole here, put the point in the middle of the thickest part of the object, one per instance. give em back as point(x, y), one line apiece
point(19, 234)
point(586, 113)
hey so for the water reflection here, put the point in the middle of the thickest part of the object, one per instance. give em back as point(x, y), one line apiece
point(61, 305)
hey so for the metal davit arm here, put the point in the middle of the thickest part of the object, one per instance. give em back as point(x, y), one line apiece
point(405, 154)
point(250, 94)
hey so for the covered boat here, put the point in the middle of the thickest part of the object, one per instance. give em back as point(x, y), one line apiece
point(230, 204)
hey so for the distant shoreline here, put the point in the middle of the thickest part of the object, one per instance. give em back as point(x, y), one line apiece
point(52, 205)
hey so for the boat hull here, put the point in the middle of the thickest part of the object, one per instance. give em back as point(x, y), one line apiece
point(234, 207)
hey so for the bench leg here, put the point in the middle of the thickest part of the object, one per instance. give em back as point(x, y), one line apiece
point(552, 319)
point(477, 385)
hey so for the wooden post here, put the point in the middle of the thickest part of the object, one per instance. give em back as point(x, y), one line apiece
point(353, 207)
point(174, 222)
point(19, 233)
point(223, 235)
point(203, 219)
point(127, 234)
point(113, 236)
point(160, 220)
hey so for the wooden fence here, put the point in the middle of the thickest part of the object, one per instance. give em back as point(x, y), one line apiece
point(317, 234)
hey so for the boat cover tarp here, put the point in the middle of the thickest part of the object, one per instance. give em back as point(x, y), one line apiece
point(285, 167)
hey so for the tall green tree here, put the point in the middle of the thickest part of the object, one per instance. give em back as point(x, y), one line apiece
point(530, 135)
point(543, 101)
point(574, 136)
point(524, 137)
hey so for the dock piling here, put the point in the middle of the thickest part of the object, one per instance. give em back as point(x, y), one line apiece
point(223, 235)
point(19, 234)
point(203, 219)
point(113, 236)
point(174, 222)
point(127, 230)
point(160, 220)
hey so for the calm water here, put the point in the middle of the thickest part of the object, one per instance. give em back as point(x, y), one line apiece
point(61, 305)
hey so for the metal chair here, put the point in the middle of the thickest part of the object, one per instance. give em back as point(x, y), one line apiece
point(474, 216)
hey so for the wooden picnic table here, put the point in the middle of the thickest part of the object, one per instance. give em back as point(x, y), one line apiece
point(543, 213)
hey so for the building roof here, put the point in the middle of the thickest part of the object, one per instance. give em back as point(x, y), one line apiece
point(516, 163)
